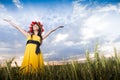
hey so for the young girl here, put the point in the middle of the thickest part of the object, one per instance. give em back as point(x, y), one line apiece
point(33, 59)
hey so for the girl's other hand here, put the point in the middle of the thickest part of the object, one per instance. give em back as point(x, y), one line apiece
point(6, 20)
point(60, 26)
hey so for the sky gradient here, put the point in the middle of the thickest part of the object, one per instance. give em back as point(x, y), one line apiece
point(86, 22)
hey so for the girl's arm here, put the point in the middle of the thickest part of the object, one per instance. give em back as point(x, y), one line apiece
point(17, 27)
point(49, 32)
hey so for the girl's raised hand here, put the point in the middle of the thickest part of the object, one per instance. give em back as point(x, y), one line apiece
point(60, 26)
point(6, 20)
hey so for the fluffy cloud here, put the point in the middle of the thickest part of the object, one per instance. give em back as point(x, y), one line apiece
point(2, 6)
point(60, 37)
point(18, 3)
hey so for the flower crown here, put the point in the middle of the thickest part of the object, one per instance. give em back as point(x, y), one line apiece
point(33, 23)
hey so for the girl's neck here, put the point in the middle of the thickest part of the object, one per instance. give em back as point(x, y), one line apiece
point(35, 32)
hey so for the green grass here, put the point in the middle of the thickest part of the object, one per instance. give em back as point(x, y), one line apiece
point(100, 68)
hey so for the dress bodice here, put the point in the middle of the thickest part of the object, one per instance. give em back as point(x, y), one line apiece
point(34, 37)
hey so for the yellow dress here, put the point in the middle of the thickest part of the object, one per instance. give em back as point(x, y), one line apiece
point(32, 62)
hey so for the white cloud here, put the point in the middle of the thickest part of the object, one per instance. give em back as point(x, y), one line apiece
point(49, 54)
point(3, 10)
point(108, 8)
point(2, 6)
point(87, 33)
point(18, 3)
point(94, 26)
point(79, 10)
point(4, 45)
point(59, 37)
point(98, 21)
point(5, 49)
point(84, 42)
point(69, 43)
point(108, 48)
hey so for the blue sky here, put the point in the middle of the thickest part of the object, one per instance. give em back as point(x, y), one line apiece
point(86, 23)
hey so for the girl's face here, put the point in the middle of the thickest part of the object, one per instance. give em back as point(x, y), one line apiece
point(35, 27)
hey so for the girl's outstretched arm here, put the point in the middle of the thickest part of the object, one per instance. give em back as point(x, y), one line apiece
point(49, 32)
point(17, 27)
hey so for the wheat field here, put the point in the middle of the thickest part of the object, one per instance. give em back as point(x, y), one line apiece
point(101, 68)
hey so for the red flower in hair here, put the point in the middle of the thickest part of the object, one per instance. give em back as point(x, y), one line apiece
point(33, 23)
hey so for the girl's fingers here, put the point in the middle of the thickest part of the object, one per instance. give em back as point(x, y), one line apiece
point(6, 20)
point(61, 26)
